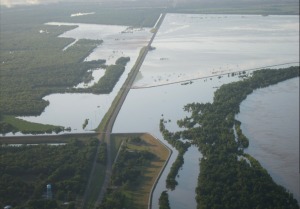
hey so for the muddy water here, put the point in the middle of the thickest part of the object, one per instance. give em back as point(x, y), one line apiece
point(270, 119)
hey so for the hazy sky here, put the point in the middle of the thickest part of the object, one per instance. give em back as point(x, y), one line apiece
point(10, 3)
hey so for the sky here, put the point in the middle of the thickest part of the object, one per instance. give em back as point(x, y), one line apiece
point(10, 3)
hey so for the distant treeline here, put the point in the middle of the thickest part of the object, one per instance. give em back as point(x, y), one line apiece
point(258, 7)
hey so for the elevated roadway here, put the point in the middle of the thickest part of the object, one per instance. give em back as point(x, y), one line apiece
point(108, 127)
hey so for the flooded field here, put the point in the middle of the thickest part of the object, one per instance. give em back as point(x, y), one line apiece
point(118, 41)
point(190, 46)
point(71, 110)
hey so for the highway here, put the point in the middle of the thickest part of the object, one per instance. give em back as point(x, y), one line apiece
point(124, 91)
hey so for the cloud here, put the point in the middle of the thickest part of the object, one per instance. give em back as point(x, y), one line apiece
point(11, 3)
point(7, 3)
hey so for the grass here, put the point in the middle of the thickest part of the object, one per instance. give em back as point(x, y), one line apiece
point(139, 195)
point(42, 139)
point(116, 141)
point(97, 179)
point(142, 193)
point(25, 126)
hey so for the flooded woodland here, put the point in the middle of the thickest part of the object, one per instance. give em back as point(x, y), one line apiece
point(193, 55)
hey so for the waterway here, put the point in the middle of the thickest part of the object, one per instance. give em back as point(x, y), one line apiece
point(270, 119)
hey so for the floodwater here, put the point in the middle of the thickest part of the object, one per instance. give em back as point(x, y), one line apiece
point(270, 120)
point(186, 47)
point(191, 46)
point(118, 41)
point(96, 74)
point(141, 112)
point(71, 110)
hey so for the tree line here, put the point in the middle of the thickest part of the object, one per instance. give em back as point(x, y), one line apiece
point(182, 147)
point(229, 178)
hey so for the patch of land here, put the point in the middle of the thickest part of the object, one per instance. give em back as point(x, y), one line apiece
point(135, 191)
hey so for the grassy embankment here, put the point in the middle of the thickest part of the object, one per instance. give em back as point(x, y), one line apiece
point(95, 187)
point(141, 193)
point(137, 194)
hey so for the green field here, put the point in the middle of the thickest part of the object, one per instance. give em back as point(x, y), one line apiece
point(28, 127)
